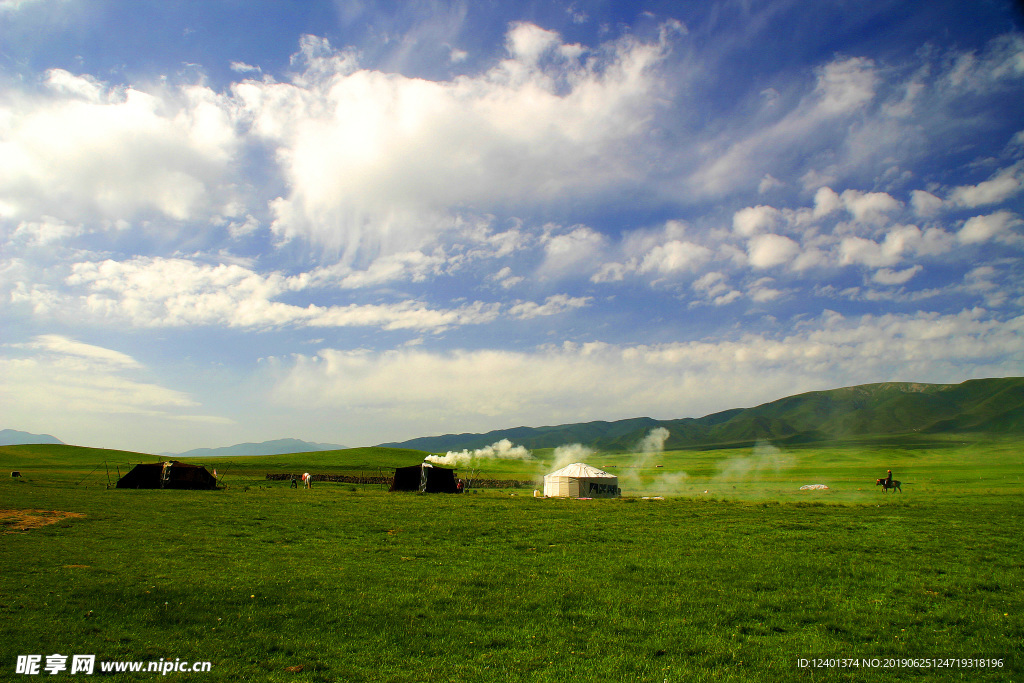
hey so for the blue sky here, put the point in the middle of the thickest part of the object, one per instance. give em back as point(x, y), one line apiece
point(359, 222)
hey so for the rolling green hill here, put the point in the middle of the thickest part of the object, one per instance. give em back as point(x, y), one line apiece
point(75, 458)
point(65, 456)
point(275, 447)
point(992, 406)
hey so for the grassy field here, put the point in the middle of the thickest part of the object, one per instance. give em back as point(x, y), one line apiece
point(351, 583)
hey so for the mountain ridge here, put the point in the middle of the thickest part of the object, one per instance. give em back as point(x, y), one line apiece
point(867, 410)
point(272, 447)
point(13, 437)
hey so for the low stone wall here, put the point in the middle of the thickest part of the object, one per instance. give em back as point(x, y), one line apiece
point(337, 478)
point(500, 484)
point(386, 481)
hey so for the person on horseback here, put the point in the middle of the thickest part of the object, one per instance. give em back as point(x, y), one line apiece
point(888, 479)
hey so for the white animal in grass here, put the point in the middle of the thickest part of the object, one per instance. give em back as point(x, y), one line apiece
point(307, 479)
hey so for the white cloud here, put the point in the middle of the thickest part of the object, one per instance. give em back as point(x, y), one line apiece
point(490, 388)
point(845, 86)
point(375, 160)
point(984, 228)
point(175, 292)
point(981, 281)
point(1002, 186)
point(40, 298)
point(887, 276)
point(674, 256)
point(243, 68)
point(405, 315)
point(243, 228)
point(812, 257)
point(506, 279)
point(88, 151)
point(15, 5)
point(577, 15)
point(870, 253)
point(826, 200)
point(715, 289)
point(840, 229)
point(527, 43)
point(660, 251)
point(754, 219)
point(770, 250)
point(768, 183)
point(47, 230)
point(856, 119)
point(553, 305)
point(613, 272)
point(925, 203)
point(573, 251)
point(96, 392)
point(414, 266)
point(1002, 59)
point(71, 348)
point(899, 243)
point(740, 159)
point(761, 291)
point(870, 207)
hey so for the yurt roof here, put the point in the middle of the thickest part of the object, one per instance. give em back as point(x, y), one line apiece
point(580, 470)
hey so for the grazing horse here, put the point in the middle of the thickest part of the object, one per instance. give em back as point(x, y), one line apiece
point(894, 484)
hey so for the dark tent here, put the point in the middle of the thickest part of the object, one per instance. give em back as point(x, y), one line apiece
point(167, 475)
point(426, 478)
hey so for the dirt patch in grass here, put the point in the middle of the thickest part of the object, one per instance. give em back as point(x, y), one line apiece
point(20, 521)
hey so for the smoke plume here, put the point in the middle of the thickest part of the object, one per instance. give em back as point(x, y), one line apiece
point(764, 460)
point(647, 449)
point(499, 450)
point(654, 442)
point(570, 453)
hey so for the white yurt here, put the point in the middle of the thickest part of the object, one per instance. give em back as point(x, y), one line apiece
point(580, 480)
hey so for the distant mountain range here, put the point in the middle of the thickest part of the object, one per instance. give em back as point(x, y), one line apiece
point(991, 406)
point(276, 447)
point(12, 437)
point(994, 406)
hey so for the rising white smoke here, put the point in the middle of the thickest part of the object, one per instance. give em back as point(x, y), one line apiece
point(654, 442)
point(765, 460)
point(634, 476)
point(570, 453)
point(499, 450)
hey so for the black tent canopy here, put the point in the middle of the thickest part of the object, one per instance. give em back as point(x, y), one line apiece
point(426, 478)
point(167, 475)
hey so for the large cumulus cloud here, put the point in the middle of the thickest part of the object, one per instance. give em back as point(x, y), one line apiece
point(374, 160)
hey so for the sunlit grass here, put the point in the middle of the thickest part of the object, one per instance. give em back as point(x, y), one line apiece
point(352, 583)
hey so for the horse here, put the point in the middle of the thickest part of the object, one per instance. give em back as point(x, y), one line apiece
point(307, 480)
point(894, 484)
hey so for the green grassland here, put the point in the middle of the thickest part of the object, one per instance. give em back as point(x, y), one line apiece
point(733, 576)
